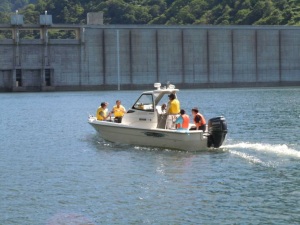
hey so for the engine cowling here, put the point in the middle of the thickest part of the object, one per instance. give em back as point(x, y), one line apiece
point(217, 129)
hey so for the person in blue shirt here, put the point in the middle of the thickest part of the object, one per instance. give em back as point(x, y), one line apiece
point(183, 121)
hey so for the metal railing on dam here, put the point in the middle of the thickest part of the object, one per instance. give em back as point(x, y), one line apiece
point(98, 57)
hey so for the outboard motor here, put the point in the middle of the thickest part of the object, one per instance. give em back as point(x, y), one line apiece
point(217, 129)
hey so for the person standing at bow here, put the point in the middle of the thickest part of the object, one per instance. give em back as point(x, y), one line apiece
point(199, 120)
point(119, 111)
point(102, 112)
point(183, 121)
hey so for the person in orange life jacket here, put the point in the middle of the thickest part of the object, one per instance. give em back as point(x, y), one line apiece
point(183, 121)
point(199, 120)
point(119, 111)
point(102, 112)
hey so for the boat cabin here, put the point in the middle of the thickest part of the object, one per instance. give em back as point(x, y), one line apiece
point(147, 111)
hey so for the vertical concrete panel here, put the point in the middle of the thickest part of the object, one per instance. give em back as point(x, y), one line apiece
point(267, 55)
point(290, 55)
point(111, 66)
point(170, 56)
point(31, 55)
point(5, 79)
point(244, 56)
point(110, 54)
point(125, 56)
point(143, 45)
point(65, 60)
point(220, 56)
point(31, 78)
point(2, 77)
point(195, 56)
point(6, 56)
point(93, 56)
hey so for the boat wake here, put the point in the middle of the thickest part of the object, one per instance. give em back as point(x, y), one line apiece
point(280, 150)
point(266, 155)
point(253, 159)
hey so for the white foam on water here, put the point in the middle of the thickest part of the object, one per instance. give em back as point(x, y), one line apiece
point(246, 156)
point(252, 159)
point(277, 149)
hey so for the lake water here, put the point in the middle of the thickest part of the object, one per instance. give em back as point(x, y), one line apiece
point(55, 169)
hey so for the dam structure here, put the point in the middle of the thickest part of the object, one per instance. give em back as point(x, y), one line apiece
point(41, 57)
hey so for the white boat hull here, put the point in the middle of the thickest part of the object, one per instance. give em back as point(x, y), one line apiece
point(147, 123)
point(153, 137)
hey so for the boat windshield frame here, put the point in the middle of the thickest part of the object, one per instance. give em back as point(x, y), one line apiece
point(148, 107)
point(156, 96)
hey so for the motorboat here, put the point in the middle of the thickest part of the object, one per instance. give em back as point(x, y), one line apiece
point(146, 124)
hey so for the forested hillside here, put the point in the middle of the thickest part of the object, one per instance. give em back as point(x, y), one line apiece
point(12, 5)
point(226, 12)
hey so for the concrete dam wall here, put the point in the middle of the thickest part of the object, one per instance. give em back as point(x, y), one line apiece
point(128, 56)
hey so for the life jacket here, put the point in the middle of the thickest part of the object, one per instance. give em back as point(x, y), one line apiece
point(119, 112)
point(185, 122)
point(99, 117)
point(202, 120)
point(174, 107)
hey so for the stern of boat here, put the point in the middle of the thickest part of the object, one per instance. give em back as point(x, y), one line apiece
point(217, 129)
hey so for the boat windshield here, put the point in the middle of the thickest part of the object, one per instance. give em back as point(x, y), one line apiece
point(145, 103)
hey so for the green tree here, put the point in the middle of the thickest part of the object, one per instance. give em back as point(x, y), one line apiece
point(4, 17)
point(225, 18)
point(250, 12)
point(198, 8)
point(184, 16)
point(241, 16)
point(31, 16)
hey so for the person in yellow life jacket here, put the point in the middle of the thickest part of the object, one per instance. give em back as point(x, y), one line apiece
point(119, 111)
point(173, 105)
point(102, 112)
point(199, 120)
point(183, 121)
